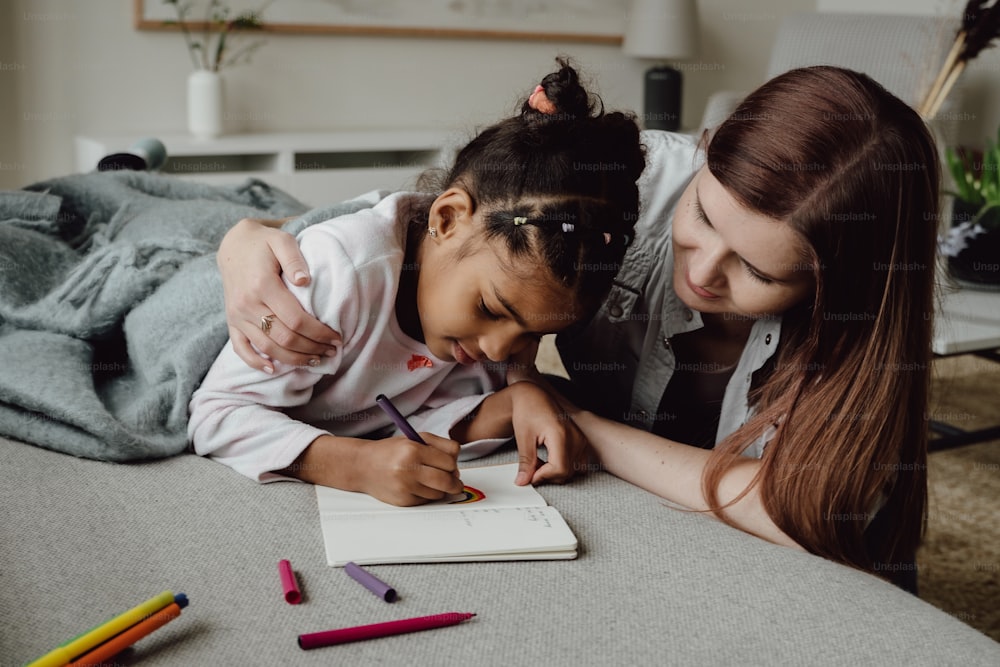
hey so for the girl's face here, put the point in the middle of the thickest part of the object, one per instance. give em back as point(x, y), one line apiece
point(730, 260)
point(484, 306)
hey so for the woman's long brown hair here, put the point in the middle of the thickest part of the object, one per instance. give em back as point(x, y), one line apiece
point(854, 171)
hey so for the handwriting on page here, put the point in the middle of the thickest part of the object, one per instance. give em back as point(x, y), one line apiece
point(536, 515)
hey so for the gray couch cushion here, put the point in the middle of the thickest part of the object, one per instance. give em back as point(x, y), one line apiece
point(84, 540)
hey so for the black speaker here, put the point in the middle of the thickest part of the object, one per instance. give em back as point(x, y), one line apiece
point(662, 99)
point(145, 154)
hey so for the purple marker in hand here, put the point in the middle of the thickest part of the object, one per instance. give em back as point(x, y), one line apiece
point(398, 419)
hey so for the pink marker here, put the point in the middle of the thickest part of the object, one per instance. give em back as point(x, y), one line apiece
point(288, 583)
point(362, 632)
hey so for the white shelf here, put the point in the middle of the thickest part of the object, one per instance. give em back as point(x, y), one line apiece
point(316, 167)
point(967, 321)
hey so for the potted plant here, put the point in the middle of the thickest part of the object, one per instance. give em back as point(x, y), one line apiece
point(972, 245)
point(210, 48)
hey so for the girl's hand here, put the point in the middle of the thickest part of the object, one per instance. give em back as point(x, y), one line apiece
point(251, 259)
point(402, 472)
point(538, 420)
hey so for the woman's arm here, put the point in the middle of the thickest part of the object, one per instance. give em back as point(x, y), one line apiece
point(251, 259)
point(674, 471)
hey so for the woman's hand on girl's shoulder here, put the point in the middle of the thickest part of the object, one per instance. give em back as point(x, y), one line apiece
point(260, 310)
point(539, 421)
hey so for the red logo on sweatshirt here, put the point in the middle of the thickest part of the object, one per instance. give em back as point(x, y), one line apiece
point(418, 361)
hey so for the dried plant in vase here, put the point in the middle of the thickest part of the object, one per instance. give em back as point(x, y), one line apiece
point(972, 243)
point(980, 26)
point(210, 51)
point(210, 47)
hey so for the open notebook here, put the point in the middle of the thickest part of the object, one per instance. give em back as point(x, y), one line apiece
point(493, 520)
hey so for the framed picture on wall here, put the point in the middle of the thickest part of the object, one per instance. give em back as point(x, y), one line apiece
point(598, 21)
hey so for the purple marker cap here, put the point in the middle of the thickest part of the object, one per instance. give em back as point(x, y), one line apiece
point(371, 582)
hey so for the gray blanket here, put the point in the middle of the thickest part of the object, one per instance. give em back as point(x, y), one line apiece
point(111, 306)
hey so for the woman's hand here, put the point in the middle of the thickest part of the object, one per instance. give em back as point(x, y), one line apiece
point(251, 259)
point(539, 421)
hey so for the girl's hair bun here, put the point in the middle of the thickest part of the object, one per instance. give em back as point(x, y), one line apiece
point(569, 169)
point(564, 90)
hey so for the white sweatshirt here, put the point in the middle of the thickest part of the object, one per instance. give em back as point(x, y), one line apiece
point(257, 423)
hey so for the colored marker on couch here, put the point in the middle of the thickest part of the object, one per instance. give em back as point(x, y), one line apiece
point(371, 582)
point(63, 654)
point(288, 583)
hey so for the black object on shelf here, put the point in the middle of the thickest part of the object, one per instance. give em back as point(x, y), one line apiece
point(146, 154)
point(662, 99)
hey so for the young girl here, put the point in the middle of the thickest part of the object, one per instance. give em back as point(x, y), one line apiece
point(777, 304)
point(429, 294)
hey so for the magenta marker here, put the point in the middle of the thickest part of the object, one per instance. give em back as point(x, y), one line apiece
point(387, 629)
point(398, 419)
point(371, 582)
point(289, 585)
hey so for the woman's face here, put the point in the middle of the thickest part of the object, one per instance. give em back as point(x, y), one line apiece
point(728, 259)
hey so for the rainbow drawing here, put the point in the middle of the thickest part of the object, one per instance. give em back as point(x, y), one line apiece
point(469, 495)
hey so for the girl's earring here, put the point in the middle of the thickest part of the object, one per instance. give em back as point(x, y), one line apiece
point(432, 231)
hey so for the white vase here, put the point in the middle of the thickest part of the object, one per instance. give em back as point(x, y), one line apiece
point(205, 101)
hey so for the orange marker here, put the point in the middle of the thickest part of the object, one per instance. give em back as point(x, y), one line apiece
point(120, 642)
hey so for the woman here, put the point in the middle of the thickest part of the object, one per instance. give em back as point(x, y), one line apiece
point(779, 291)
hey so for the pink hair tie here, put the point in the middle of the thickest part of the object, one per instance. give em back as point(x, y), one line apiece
point(539, 102)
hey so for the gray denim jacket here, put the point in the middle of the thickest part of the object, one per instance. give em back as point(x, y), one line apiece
point(624, 355)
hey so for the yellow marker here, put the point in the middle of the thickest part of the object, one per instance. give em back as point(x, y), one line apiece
point(64, 654)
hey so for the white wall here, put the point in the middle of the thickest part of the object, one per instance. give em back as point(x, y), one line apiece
point(81, 68)
point(11, 73)
point(980, 83)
